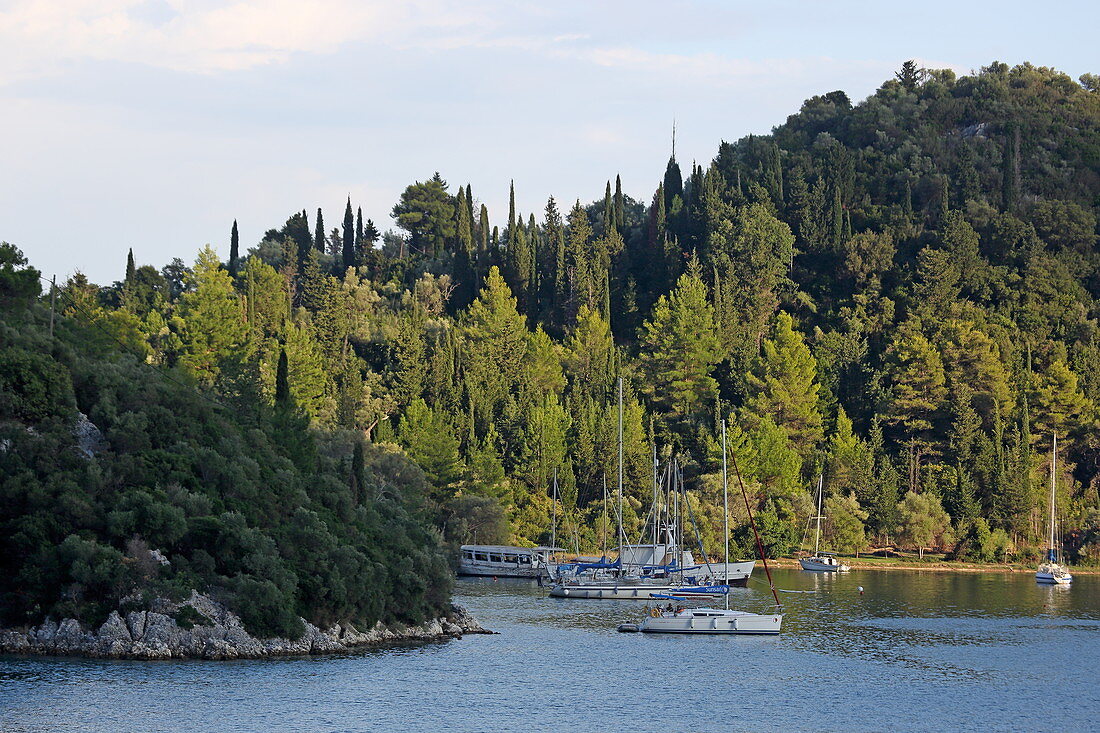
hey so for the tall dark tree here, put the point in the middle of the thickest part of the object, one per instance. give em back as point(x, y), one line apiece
point(319, 232)
point(349, 236)
point(619, 213)
point(282, 381)
point(234, 250)
point(358, 228)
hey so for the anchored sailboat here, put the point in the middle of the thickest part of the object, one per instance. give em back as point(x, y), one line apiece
point(821, 561)
point(1053, 571)
point(646, 571)
point(719, 620)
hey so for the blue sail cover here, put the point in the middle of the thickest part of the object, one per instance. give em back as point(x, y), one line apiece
point(603, 564)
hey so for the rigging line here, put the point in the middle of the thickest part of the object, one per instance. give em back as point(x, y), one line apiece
point(698, 536)
point(759, 544)
point(91, 321)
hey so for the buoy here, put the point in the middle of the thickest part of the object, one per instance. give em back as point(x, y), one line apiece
point(861, 590)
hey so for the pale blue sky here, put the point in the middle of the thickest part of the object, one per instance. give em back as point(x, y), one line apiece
point(153, 124)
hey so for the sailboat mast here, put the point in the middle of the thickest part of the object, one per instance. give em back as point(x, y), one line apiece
point(817, 533)
point(554, 526)
point(656, 515)
point(621, 539)
point(725, 518)
point(1053, 473)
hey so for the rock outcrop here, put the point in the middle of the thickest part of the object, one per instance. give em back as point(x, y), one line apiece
point(218, 634)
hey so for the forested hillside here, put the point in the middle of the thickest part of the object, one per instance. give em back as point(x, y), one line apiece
point(172, 488)
point(899, 294)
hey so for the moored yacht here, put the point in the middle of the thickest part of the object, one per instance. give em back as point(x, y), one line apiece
point(821, 561)
point(1053, 571)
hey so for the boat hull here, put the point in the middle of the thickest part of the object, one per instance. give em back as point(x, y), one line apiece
point(809, 563)
point(718, 623)
point(1052, 579)
point(630, 591)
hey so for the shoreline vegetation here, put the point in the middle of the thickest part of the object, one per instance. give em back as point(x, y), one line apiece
point(905, 563)
point(899, 295)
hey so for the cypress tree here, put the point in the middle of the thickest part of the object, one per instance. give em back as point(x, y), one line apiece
point(618, 203)
point(282, 381)
point(234, 243)
point(608, 211)
point(319, 235)
point(129, 281)
point(511, 215)
point(358, 228)
point(349, 236)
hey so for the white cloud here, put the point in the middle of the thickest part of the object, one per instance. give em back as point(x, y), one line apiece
point(41, 36)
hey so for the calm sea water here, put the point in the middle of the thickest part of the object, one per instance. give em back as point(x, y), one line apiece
point(918, 651)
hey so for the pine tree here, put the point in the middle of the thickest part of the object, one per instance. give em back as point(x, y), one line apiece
point(783, 385)
point(679, 347)
point(214, 329)
point(349, 237)
point(917, 394)
point(234, 254)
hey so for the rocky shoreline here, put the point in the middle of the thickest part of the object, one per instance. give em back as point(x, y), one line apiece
point(216, 633)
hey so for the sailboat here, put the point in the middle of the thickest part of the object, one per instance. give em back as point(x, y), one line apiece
point(646, 571)
point(821, 561)
point(718, 620)
point(1053, 571)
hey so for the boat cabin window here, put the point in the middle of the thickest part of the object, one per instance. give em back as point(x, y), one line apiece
point(510, 558)
point(468, 554)
point(482, 556)
point(494, 557)
point(524, 559)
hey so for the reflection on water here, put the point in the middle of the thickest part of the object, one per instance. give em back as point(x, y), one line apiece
point(916, 651)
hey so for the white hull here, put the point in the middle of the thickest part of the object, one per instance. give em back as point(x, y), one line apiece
point(503, 561)
point(1056, 575)
point(712, 621)
point(816, 564)
point(628, 591)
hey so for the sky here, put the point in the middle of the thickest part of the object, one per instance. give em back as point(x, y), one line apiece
point(153, 124)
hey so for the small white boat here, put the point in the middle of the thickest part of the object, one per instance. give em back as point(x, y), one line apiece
point(711, 621)
point(1052, 571)
point(824, 562)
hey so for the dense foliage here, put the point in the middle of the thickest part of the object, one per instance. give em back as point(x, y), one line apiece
point(247, 503)
point(899, 294)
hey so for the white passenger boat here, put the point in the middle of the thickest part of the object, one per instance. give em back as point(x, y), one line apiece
point(504, 561)
point(717, 620)
point(825, 562)
point(1052, 571)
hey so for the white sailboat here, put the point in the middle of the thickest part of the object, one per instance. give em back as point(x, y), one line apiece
point(1053, 571)
point(718, 620)
point(647, 571)
point(825, 562)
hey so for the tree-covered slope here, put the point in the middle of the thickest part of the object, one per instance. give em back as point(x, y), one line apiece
point(238, 499)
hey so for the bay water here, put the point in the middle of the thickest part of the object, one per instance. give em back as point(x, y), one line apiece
point(917, 651)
